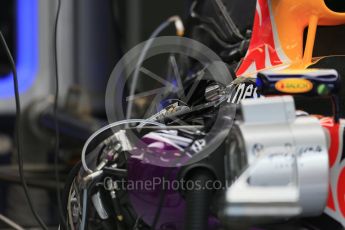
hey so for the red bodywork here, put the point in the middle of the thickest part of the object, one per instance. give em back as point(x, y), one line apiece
point(265, 52)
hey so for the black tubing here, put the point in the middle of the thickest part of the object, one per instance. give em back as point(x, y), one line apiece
point(198, 199)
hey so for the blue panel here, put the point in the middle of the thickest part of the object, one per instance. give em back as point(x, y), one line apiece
point(27, 49)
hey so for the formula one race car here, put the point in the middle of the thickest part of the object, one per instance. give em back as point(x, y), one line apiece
point(264, 151)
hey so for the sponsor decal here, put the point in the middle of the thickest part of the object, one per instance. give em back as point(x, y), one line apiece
point(294, 85)
point(242, 91)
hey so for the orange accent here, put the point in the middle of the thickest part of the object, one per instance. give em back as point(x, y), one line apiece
point(292, 17)
point(309, 46)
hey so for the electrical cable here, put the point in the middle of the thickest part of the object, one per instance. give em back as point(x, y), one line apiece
point(163, 193)
point(177, 100)
point(83, 220)
point(225, 45)
point(229, 23)
point(162, 196)
point(198, 200)
point(230, 27)
point(210, 22)
point(180, 32)
point(18, 133)
point(83, 155)
point(56, 123)
point(10, 223)
point(112, 125)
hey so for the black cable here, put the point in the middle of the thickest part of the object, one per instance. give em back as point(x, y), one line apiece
point(56, 123)
point(210, 21)
point(198, 200)
point(224, 44)
point(162, 196)
point(18, 133)
point(229, 23)
point(163, 192)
